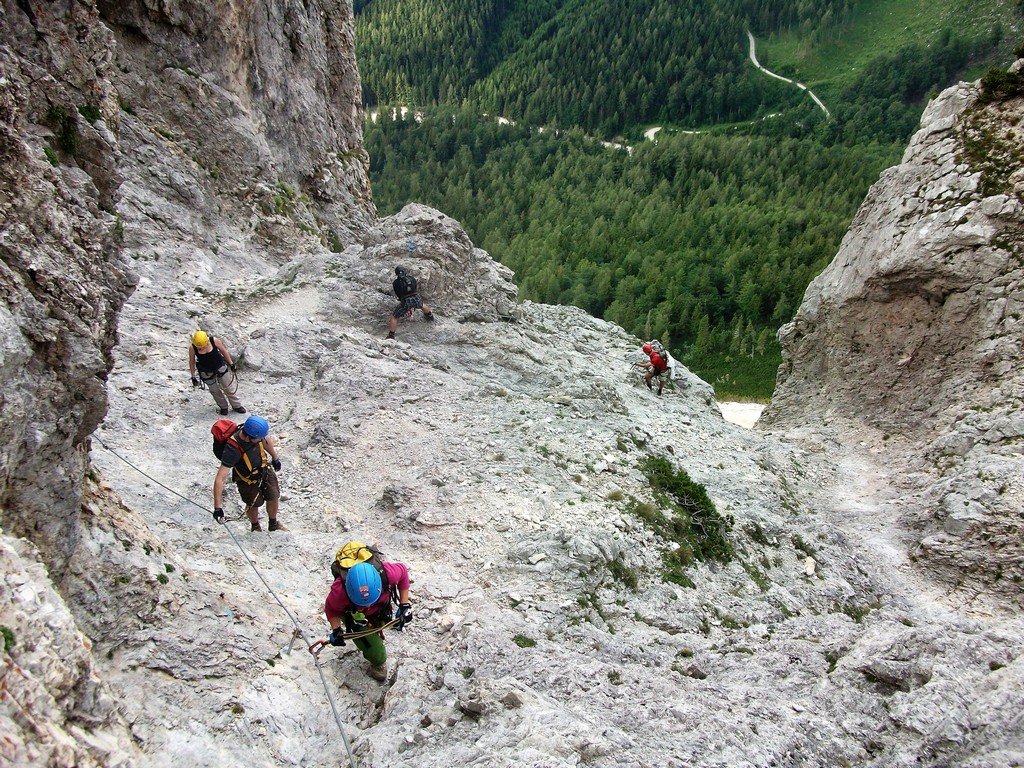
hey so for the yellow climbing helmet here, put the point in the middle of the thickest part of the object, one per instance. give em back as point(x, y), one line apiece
point(353, 553)
point(200, 339)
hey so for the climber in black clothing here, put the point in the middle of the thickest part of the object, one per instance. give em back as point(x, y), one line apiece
point(408, 300)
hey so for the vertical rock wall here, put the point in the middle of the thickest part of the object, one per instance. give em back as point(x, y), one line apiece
point(63, 283)
point(128, 128)
point(915, 330)
point(63, 280)
point(261, 97)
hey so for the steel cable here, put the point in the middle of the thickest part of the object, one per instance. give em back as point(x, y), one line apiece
point(291, 617)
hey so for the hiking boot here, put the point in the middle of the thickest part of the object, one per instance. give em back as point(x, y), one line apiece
point(223, 411)
point(428, 316)
point(391, 334)
point(256, 527)
point(378, 672)
point(648, 384)
point(239, 409)
point(273, 525)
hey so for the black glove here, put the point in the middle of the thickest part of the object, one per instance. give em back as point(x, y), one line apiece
point(232, 366)
point(276, 464)
point(195, 381)
point(337, 636)
point(218, 515)
point(404, 616)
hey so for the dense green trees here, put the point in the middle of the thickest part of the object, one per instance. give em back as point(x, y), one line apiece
point(886, 100)
point(706, 242)
point(603, 65)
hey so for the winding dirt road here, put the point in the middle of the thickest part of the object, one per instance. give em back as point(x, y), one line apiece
point(801, 86)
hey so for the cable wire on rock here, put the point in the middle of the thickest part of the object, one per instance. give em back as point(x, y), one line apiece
point(298, 628)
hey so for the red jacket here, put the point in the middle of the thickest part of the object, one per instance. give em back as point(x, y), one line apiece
point(658, 362)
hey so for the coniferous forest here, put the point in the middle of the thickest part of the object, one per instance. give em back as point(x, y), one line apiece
point(705, 240)
point(601, 65)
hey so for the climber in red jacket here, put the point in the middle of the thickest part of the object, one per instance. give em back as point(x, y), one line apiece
point(658, 365)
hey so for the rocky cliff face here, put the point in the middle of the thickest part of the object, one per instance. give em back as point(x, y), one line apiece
point(240, 110)
point(140, 123)
point(499, 451)
point(915, 330)
point(63, 282)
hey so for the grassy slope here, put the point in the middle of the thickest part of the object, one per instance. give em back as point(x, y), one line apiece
point(880, 27)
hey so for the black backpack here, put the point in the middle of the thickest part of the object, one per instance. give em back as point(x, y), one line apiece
point(405, 285)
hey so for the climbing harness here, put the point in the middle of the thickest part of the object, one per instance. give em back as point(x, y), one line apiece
point(298, 632)
point(319, 645)
point(228, 381)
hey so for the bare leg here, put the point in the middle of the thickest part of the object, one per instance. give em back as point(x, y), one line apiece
point(272, 508)
point(392, 324)
point(253, 513)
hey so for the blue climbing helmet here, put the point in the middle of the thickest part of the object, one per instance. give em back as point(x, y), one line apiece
point(256, 427)
point(362, 584)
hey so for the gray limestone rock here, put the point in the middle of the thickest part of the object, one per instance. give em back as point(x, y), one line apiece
point(913, 331)
point(499, 460)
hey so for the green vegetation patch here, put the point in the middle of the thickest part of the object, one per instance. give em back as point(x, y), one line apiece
point(739, 377)
point(90, 112)
point(992, 147)
point(844, 44)
point(284, 198)
point(1000, 85)
point(758, 576)
point(63, 124)
point(8, 636)
point(523, 641)
point(623, 574)
point(857, 609)
point(690, 520)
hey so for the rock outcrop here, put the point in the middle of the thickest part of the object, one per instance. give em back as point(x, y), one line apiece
point(915, 331)
point(244, 112)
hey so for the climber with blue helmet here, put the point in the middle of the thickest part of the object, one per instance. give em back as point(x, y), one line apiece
point(211, 366)
point(251, 458)
point(361, 598)
point(409, 299)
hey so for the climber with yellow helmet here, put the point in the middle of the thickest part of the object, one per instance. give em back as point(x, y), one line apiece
point(210, 358)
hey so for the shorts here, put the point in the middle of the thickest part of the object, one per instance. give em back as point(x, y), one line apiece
point(265, 489)
point(408, 304)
